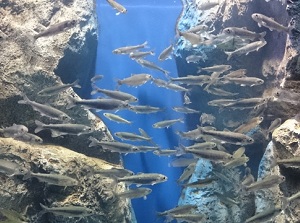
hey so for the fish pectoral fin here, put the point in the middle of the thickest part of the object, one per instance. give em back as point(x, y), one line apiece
point(56, 133)
point(138, 185)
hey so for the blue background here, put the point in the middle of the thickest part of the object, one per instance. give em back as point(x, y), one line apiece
point(152, 21)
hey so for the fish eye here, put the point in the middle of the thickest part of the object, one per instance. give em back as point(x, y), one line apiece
point(261, 118)
point(250, 140)
point(164, 178)
point(277, 93)
point(228, 31)
point(135, 149)
point(260, 82)
point(283, 177)
point(89, 129)
point(90, 211)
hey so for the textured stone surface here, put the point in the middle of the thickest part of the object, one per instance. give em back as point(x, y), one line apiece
point(94, 191)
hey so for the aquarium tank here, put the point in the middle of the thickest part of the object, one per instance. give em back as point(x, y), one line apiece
point(117, 111)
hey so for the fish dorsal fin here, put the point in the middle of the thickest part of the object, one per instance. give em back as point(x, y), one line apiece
point(226, 130)
point(245, 28)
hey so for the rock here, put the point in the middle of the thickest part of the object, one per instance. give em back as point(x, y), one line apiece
point(94, 191)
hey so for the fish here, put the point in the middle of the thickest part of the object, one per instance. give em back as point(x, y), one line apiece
point(239, 161)
point(236, 74)
point(166, 123)
point(186, 99)
point(98, 104)
point(145, 109)
point(145, 134)
point(115, 94)
point(46, 110)
point(56, 28)
point(52, 179)
point(265, 183)
point(165, 152)
point(113, 172)
point(176, 87)
point(148, 64)
point(239, 152)
point(207, 119)
point(63, 129)
point(248, 178)
point(10, 168)
point(210, 154)
point(129, 49)
point(138, 54)
point(28, 137)
point(148, 148)
point(202, 146)
point(200, 183)
point(182, 209)
point(221, 102)
point(197, 28)
point(245, 81)
point(193, 38)
point(14, 130)
point(293, 161)
point(166, 53)
point(182, 162)
point(159, 82)
point(207, 5)
point(57, 89)
point(220, 92)
point(188, 217)
point(114, 146)
point(251, 124)
point(243, 33)
point(192, 135)
point(254, 46)
point(217, 68)
point(184, 110)
point(143, 179)
point(131, 136)
point(188, 171)
point(271, 24)
point(117, 6)
point(134, 193)
point(194, 58)
point(274, 125)
point(11, 216)
point(192, 79)
point(246, 103)
point(228, 137)
point(96, 78)
point(68, 211)
point(135, 80)
point(116, 118)
point(265, 215)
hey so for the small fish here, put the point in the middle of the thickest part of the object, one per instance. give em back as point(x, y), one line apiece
point(220, 92)
point(145, 109)
point(166, 53)
point(185, 110)
point(147, 148)
point(134, 193)
point(115, 94)
point(251, 124)
point(193, 38)
point(254, 46)
point(207, 5)
point(186, 99)
point(221, 102)
point(145, 134)
point(143, 179)
point(192, 135)
point(159, 82)
point(239, 152)
point(63, 129)
point(131, 136)
point(116, 172)
point(245, 81)
point(246, 103)
point(265, 215)
point(135, 80)
point(201, 146)
point(57, 28)
point(194, 59)
point(239, 161)
point(14, 130)
point(129, 49)
point(52, 179)
point(46, 110)
point(68, 211)
point(116, 118)
point(188, 217)
point(10, 168)
point(28, 137)
point(192, 79)
point(114, 146)
point(236, 74)
point(248, 178)
point(274, 125)
point(213, 155)
point(176, 87)
point(148, 64)
point(243, 33)
point(294, 161)
point(217, 68)
point(166, 123)
point(271, 24)
point(117, 6)
point(165, 152)
point(57, 89)
point(139, 54)
point(182, 209)
point(96, 78)
point(188, 171)
point(200, 183)
point(98, 104)
point(182, 162)
point(198, 28)
point(267, 182)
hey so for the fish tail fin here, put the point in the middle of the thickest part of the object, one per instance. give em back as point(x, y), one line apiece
point(273, 163)
point(180, 150)
point(39, 126)
point(27, 175)
point(43, 211)
point(152, 53)
point(145, 44)
point(94, 142)
point(71, 102)
point(262, 35)
point(229, 54)
point(25, 100)
point(75, 84)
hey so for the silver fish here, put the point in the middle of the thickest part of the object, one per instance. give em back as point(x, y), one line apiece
point(176, 87)
point(57, 89)
point(131, 136)
point(220, 92)
point(243, 33)
point(236, 74)
point(193, 134)
point(201, 146)
point(159, 82)
point(274, 125)
point(120, 8)
point(193, 38)
point(28, 137)
point(192, 79)
point(254, 46)
point(200, 182)
point(98, 104)
point(239, 152)
point(143, 179)
point(245, 81)
point(57, 28)
point(221, 102)
point(166, 53)
point(182, 162)
point(187, 208)
point(198, 28)
point(129, 49)
point(145, 109)
point(139, 54)
point(135, 80)
point(46, 110)
point(52, 179)
point(11, 168)
point(115, 94)
point(246, 103)
point(194, 58)
point(96, 78)
point(14, 130)
point(165, 152)
point(267, 182)
point(63, 129)
point(251, 124)
point(116, 172)
point(184, 110)
point(216, 68)
point(239, 161)
point(68, 211)
point(116, 118)
point(189, 217)
point(166, 123)
point(188, 171)
point(114, 146)
point(186, 99)
point(207, 119)
point(148, 64)
point(248, 178)
point(147, 148)
point(134, 193)
point(271, 24)
point(207, 5)
point(265, 215)
point(214, 155)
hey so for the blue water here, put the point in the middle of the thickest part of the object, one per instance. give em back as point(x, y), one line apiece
point(152, 21)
